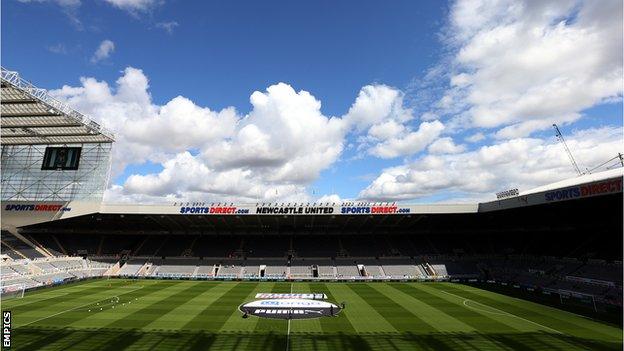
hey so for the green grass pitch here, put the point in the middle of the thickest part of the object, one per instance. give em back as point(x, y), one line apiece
point(118, 314)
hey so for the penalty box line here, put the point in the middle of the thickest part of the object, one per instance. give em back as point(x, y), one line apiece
point(503, 312)
point(77, 307)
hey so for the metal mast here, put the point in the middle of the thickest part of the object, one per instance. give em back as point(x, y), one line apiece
point(562, 140)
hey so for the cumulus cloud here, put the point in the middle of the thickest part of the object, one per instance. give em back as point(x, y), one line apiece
point(408, 143)
point(523, 65)
point(380, 113)
point(445, 146)
point(271, 153)
point(521, 163)
point(377, 104)
point(515, 68)
point(104, 50)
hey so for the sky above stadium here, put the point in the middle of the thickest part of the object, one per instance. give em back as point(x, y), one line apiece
point(406, 101)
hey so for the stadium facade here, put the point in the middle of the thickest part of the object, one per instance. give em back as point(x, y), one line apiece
point(563, 238)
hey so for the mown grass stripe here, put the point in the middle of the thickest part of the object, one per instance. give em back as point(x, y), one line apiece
point(213, 316)
point(480, 318)
point(277, 326)
point(187, 306)
point(564, 322)
point(235, 322)
point(219, 301)
point(45, 294)
point(268, 334)
point(54, 303)
point(163, 301)
point(244, 328)
point(548, 337)
point(456, 311)
point(362, 316)
point(340, 324)
point(400, 318)
point(567, 322)
point(305, 325)
point(61, 313)
point(435, 317)
point(587, 344)
point(94, 318)
point(163, 307)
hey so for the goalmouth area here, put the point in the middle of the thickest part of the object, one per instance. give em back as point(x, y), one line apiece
point(116, 314)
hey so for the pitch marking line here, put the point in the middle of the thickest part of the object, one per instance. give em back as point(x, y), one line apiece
point(38, 300)
point(288, 334)
point(481, 309)
point(75, 308)
point(501, 312)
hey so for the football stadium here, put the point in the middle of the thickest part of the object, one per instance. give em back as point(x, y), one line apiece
point(537, 269)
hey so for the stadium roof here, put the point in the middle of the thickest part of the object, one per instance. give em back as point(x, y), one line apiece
point(585, 178)
point(29, 115)
point(358, 216)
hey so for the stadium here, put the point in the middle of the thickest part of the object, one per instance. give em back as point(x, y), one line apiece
point(539, 269)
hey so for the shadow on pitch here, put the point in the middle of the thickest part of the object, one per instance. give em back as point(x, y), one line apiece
point(116, 339)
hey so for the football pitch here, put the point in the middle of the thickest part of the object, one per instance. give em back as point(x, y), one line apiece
point(117, 314)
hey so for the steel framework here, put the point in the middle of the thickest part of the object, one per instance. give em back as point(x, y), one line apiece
point(24, 180)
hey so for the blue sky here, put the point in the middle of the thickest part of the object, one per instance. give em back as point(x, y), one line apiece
point(433, 59)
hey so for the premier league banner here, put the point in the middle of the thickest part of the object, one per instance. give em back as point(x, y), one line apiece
point(290, 309)
point(311, 296)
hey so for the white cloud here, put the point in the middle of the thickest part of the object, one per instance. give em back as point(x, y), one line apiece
point(408, 143)
point(285, 133)
point(516, 67)
point(69, 8)
point(386, 130)
point(521, 163)
point(106, 48)
point(135, 7)
point(377, 104)
point(445, 146)
point(331, 199)
point(167, 26)
point(476, 137)
point(271, 153)
point(524, 65)
point(379, 111)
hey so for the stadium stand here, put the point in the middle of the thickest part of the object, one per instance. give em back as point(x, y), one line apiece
point(174, 267)
point(205, 270)
point(273, 268)
point(17, 247)
point(300, 269)
point(346, 268)
point(230, 269)
point(132, 267)
point(47, 271)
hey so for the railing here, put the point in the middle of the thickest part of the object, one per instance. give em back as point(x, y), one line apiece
point(14, 79)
